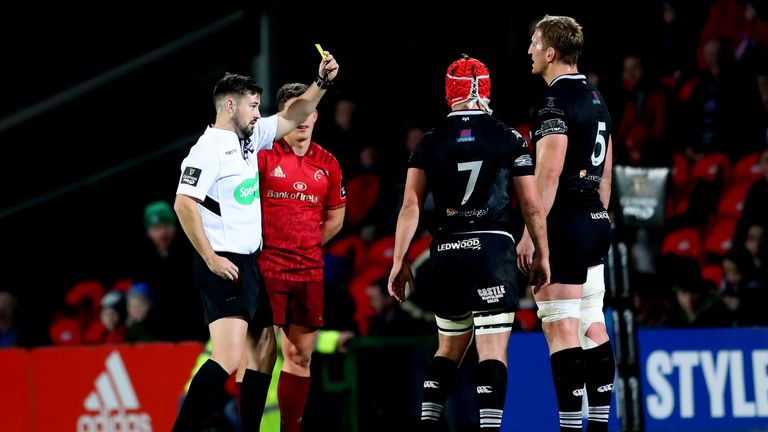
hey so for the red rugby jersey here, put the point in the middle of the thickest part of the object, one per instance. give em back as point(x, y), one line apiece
point(296, 191)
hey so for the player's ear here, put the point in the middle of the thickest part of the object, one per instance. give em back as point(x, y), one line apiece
point(551, 53)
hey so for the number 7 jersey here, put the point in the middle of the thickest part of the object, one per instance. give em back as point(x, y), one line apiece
point(469, 160)
point(573, 107)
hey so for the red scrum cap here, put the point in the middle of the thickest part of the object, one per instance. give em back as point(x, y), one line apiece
point(468, 81)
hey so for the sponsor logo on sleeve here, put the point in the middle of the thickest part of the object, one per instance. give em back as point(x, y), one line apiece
point(524, 160)
point(191, 175)
point(552, 126)
point(596, 98)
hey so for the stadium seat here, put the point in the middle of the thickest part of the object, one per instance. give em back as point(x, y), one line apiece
point(711, 167)
point(676, 206)
point(685, 242)
point(418, 246)
point(362, 192)
point(679, 173)
point(732, 200)
point(380, 252)
point(65, 332)
point(747, 169)
point(719, 238)
point(712, 273)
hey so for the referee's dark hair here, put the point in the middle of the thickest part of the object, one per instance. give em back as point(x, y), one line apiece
point(234, 85)
point(288, 92)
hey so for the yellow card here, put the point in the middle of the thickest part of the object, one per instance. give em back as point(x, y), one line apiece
point(320, 49)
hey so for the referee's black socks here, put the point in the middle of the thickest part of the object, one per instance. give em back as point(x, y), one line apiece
point(568, 374)
point(491, 391)
point(438, 383)
point(253, 397)
point(207, 383)
point(600, 369)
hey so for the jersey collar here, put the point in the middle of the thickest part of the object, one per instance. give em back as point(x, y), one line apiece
point(569, 76)
point(465, 113)
point(222, 133)
point(286, 148)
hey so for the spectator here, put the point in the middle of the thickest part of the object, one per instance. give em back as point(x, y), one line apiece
point(698, 306)
point(165, 266)
point(723, 106)
point(9, 331)
point(641, 130)
point(754, 210)
point(140, 316)
point(112, 320)
point(340, 137)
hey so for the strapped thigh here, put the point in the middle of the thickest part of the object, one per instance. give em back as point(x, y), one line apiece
point(556, 310)
point(492, 322)
point(454, 326)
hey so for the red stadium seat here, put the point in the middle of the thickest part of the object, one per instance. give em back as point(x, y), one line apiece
point(685, 242)
point(65, 332)
point(418, 246)
point(747, 169)
point(362, 192)
point(380, 252)
point(732, 200)
point(711, 168)
point(719, 239)
point(712, 273)
point(679, 174)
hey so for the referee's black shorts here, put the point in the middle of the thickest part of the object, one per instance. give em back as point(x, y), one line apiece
point(226, 298)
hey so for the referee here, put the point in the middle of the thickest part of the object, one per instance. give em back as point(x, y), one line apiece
point(219, 209)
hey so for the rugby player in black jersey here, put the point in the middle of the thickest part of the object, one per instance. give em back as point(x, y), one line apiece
point(472, 164)
point(571, 136)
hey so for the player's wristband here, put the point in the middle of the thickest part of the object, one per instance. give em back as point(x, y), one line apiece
point(323, 83)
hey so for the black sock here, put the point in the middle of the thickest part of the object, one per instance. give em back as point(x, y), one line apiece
point(253, 396)
point(600, 369)
point(207, 383)
point(438, 383)
point(491, 391)
point(568, 374)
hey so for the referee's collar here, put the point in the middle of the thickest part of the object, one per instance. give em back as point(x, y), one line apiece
point(221, 133)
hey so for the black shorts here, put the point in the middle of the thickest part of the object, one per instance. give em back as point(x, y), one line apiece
point(579, 235)
point(225, 298)
point(263, 316)
point(473, 272)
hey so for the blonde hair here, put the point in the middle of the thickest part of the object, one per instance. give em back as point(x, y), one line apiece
point(564, 35)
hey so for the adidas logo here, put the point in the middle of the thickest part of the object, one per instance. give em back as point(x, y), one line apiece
point(111, 400)
point(277, 172)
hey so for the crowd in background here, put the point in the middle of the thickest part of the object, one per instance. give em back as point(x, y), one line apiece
point(698, 105)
